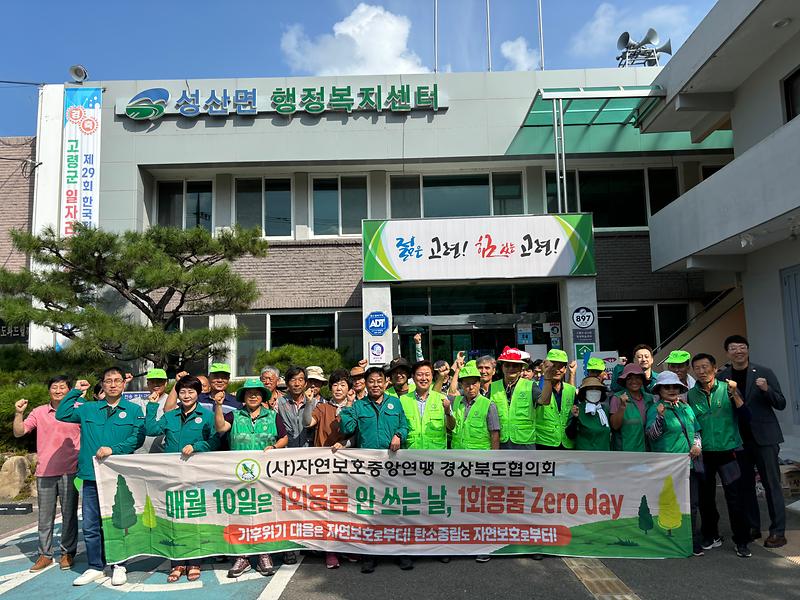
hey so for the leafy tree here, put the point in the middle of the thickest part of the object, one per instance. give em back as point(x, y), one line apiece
point(123, 511)
point(149, 514)
point(122, 295)
point(645, 518)
point(284, 357)
point(669, 512)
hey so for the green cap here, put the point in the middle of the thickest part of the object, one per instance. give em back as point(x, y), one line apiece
point(596, 364)
point(157, 374)
point(220, 368)
point(469, 370)
point(556, 355)
point(253, 384)
point(678, 357)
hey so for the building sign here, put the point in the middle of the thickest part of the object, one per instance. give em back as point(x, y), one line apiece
point(13, 334)
point(431, 502)
point(80, 162)
point(153, 103)
point(583, 317)
point(376, 323)
point(480, 247)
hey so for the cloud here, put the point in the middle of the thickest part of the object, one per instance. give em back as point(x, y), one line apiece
point(518, 56)
point(369, 41)
point(598, 37)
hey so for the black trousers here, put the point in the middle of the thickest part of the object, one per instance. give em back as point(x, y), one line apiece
point(765, 459)
point(714, 462)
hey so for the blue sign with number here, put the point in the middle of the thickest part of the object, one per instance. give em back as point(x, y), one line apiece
point(376, 323)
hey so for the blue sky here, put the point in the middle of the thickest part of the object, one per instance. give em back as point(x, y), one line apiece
point(119, 39)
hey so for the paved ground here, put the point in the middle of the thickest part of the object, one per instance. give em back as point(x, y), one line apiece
point(719, 574)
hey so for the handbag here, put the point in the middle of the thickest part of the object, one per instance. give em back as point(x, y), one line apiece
point(697, 462)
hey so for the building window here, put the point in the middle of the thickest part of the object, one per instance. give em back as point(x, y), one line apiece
point(199, 366)
point(552, 192)
point(349, 337)
point(265, 202)
point(507, 194)
point(302, 330)
point(615, 198)
point(624, 327)
point(249, 342)
point(663, 187)
point(791, 92)
point(405, 197)
point(339, 205)
point(708, 170)
point(185, 204)
point(456, 195)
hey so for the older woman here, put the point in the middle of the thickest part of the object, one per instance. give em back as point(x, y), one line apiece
point(588, 424)
point(629, 410)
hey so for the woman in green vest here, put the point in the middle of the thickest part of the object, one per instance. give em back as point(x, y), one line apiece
point(428, 412)
point(588, 425)
point(251, 427)
point(558, 398)
point(629, 410)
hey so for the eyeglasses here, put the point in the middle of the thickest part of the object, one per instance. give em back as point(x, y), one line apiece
point(113, 381)
point(737, 347)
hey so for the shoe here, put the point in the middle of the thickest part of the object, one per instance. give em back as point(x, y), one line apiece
point(698, 551)
point(240, 566)
point(406, 564)
point(66, 561)
point(775, 541)
point(537, 556)
point(368, 565)
point(88, 576)
point(290, 558)
point(483, 558)
point(119, 575)
point(264, 565)
point(709, 544)
point(742, 551)
point(41, 563)
point(755, 534)
point(331, 561)
point(444, 559)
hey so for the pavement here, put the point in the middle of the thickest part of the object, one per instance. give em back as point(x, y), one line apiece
point(769, 574)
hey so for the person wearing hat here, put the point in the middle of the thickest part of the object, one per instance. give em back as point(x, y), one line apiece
point(379, 422)
point(629, 410)
point(556, 403)
point(219, 376)
point(588, 425)
point(315, 379)
point(429, 413)
point(399, 372)
point(673, 428)
point(596, 367)
point(156, 385)
point(358, 375)
point(251, 427)
point(678, 363)
point(516, 400)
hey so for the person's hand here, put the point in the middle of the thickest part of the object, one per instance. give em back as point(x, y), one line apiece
point(446, 404)
point(459, 362)
point(309, 394)
point(218, 397)
point(418, 338)
point(128, 378)
point(623, 360)
point(21, 405)
point(82, 385)
point(762, 384)
point(732, 385)
point(547, 369)
point(661, 409)
point(624, 399)
point(103, 452)
point(395, 445)
point(268, 448)
point(363, 363)
point(153, 397)
point(180, 375)
point(694, 452)
point(187, 451)
point(574, 410)
point(573, 367)
point(336, 446)
point(351, 397)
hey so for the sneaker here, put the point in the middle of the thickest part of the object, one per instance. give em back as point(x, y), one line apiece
point(444, 559)
point(240, 566)
point(119, 575)
point(88, 576)
point(483, 558)
point(698, 551)
point(775, 541)
point(709, 544)
point(264, 565)
point(406, 564)
point(537, 556)
point(742, 551)
point(331, 560)
point(290, 558)
point(66, 561)
point(41, 563)
point(368, 564)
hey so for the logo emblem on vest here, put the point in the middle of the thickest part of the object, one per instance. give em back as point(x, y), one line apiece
point(390, 406)
point(248, 470)
point(123, 414)
point(198, 420)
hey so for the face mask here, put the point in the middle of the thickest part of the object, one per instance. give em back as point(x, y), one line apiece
point(593, 396)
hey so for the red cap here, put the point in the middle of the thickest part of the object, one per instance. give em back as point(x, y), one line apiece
point(513, 355)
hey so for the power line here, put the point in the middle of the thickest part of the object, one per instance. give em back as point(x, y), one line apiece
point(33, 83)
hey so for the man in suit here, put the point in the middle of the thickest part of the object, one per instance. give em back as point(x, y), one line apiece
point(761, 437)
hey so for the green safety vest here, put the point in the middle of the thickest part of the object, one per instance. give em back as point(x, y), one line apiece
point(517, 421)
point(390, 391)
point(716, 416)
point(630, 437)
point(551, 424)
point(247, 434)
point(592, 435)
point(673, 440)
point(428, 432)
point(471, 433)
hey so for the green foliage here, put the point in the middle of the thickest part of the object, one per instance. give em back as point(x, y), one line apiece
point(122, 295)
point(21, 366)
point(149, 514)
point(645, 518)
point(284, 357)
point(123, 512)
point(36, 394)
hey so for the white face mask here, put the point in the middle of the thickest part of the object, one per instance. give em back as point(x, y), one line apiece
point(593, 396)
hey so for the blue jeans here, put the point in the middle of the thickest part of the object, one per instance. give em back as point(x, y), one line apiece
point(92, 526)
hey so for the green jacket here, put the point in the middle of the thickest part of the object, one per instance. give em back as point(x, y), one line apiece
point(198, 430)
point(122, 429)
point(630, 437)
point(376, 424)
point(673, 440)
point(717, 417)
point(253, 434)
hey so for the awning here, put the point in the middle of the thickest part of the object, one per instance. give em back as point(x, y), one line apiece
point(614, 105)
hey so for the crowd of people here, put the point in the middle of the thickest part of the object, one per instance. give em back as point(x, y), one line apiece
point(721, 417)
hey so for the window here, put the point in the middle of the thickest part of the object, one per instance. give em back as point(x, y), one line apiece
point(339, 205)
point(507, 193)
point(185, 205)
point(456, 195)
point(624, 327)
point(459, 300)
point(552, 192)
point(199, 366)
point(708, 170)
point(250, 342)
point(350, 339)
point(615, 198)
point(409, 300)
point(265, 202)
point(302, 330)
point(405, 197)
point(791, 92)
point(536, 298)
point(672, 319)
point(663, 187)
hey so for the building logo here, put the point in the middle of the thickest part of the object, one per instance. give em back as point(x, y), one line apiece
point(376, 323)
point(148, 105)
point(248, 470)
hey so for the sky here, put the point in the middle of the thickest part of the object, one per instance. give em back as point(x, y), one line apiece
point(121, 39)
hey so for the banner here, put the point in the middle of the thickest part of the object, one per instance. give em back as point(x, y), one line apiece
point(80, 162)
point(478, 248)
point(599, 504)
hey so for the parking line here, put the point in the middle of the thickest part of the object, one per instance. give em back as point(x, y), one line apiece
point(280, 580)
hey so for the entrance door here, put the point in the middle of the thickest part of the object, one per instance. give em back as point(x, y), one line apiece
point(446, 343)
point(791, 320)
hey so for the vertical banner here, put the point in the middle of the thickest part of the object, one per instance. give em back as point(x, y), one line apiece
point(80, 162)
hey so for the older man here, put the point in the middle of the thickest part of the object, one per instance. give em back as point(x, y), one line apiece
point(486, 367)
point(269, 377)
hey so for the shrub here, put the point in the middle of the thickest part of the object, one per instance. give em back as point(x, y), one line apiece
point(303, 356)
point(36, 395)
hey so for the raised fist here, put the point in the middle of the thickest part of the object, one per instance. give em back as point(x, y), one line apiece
point(82, 385)
point(21, 405)
point(661, 409)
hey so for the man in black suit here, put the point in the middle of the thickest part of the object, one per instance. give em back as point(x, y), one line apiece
point(761, 437)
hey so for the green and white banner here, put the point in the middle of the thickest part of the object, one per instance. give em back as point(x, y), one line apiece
point(600, 504)
point(478, 248)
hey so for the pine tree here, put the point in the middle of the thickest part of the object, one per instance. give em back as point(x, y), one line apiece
point(149, 514)
point(645, 518)
point(669, 512)
point(123, 512)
